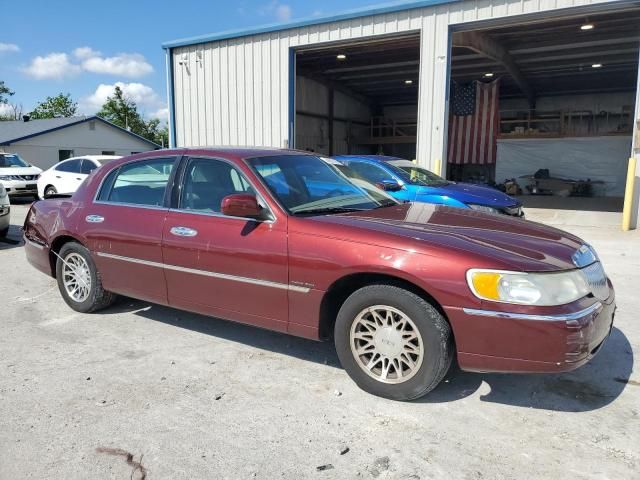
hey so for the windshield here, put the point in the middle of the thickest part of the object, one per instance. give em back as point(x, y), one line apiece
point(411, 173)
point(12, 160)
point(306, 184)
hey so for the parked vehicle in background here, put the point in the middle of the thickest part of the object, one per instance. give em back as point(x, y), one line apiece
point(66, 176)
point(283, 240)
point(407, 181)
point(18, 176)
point(5, 211)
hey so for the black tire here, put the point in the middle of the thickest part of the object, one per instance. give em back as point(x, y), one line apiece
point(4, 232)
point(49, 190)
point(432, 326)
point(98, 297)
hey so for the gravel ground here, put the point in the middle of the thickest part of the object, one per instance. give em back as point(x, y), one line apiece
point(143, 390)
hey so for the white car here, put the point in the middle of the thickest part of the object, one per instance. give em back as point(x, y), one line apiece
point(65, 177)
point(18, 177)
point(5, 209)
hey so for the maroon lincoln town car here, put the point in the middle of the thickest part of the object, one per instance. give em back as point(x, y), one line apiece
point(283, 240)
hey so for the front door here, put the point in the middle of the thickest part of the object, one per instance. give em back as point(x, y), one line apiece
point(230, 267)
point(124, 228)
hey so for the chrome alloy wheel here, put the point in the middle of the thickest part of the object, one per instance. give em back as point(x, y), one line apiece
point(386, 344)
point(76, 277)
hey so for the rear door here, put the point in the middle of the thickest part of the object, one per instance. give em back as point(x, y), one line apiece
point(67, 176)
point(230, 267)
point(124, 227)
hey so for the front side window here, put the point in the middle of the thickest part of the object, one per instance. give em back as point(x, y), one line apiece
point(411, 173)
point(11, 160)
point(87, 166)
point(371, 172)
point(72, 166)
point(306, 184)
point(139, 183)
point(207, 182)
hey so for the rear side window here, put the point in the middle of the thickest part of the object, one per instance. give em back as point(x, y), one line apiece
point(139, 183)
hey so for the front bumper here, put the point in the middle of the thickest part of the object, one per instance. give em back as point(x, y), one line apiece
point(17, 188)
point(498, 341)
point(5, 214)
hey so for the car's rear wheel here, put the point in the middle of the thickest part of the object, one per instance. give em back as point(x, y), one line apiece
point(79, 281)
point(392, 342)
point(4, 232)
point(50, 190)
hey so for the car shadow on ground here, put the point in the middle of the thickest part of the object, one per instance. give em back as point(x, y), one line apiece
point(13, 238)
point(591, 387)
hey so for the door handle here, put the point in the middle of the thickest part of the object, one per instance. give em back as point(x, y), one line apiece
point(58, 176)
point(94, 219)
point(78, 178)
point(183, 231)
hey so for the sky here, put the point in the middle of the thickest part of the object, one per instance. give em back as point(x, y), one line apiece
point(85, 48)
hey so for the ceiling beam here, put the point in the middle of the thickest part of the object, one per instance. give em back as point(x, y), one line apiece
point(482, 43)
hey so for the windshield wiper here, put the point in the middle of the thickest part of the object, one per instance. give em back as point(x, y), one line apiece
point(318, 211)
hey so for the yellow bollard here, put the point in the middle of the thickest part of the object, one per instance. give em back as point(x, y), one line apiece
point(437, 167)
point(628, 195)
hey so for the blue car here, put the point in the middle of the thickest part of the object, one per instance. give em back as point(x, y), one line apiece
point(404, 180)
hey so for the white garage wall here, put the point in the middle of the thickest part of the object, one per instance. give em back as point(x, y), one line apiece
point(236, 91)
point(42, 150)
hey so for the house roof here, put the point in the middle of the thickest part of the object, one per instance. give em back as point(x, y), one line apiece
point(389, 7)
point(17, 130)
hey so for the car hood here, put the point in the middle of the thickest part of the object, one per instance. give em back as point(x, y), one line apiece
point(506, 242)
point(20, 171)
point(469, 193)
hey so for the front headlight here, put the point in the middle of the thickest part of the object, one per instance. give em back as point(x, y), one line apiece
point(6, 178)
point(483, 208)
point(541, 289)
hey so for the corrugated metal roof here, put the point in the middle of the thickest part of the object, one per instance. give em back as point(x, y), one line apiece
point(12, 130)
point(275, 27)
point(16, 130)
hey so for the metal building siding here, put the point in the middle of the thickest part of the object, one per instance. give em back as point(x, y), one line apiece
point(238, 93)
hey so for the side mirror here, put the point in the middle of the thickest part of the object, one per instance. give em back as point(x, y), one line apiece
point(389, 185)
point(241, 205)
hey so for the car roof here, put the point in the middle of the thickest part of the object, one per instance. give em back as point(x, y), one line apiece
point(377, 158)
point(91, 157)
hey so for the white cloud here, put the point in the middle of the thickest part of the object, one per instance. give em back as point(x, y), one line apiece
point(145, 97)
point(161, 114)
point(61, 65)
point(281, 11)
point(131, 65)
point(53, 66)
point(9, 48)
point(85, 52)
point(5, 109)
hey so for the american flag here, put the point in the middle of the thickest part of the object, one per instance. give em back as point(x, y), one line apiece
point(474, 123)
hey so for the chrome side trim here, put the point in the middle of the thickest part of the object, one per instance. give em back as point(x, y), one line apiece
point(223, 276)
point(32, 243)
point(562, 317)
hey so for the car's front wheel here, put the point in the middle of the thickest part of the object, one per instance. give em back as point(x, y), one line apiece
point(50, 190)
point(392, 342)
point(79, 281)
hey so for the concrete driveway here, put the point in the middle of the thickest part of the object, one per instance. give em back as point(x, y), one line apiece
point(142, 390)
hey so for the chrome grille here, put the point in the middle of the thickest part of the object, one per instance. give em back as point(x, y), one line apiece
point(23, 178)
point(597, 280)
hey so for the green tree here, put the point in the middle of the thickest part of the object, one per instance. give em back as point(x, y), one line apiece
point(5, 92)
point(122, 111)
point(59, 106)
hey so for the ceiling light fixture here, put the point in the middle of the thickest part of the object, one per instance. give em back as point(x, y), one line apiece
point(341, 56)
point(596, 65)
point(488, 74)
point(408, 82)
point(587, 26)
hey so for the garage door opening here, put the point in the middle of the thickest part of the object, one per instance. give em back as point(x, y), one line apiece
point(546, 110)
point(358, 97)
